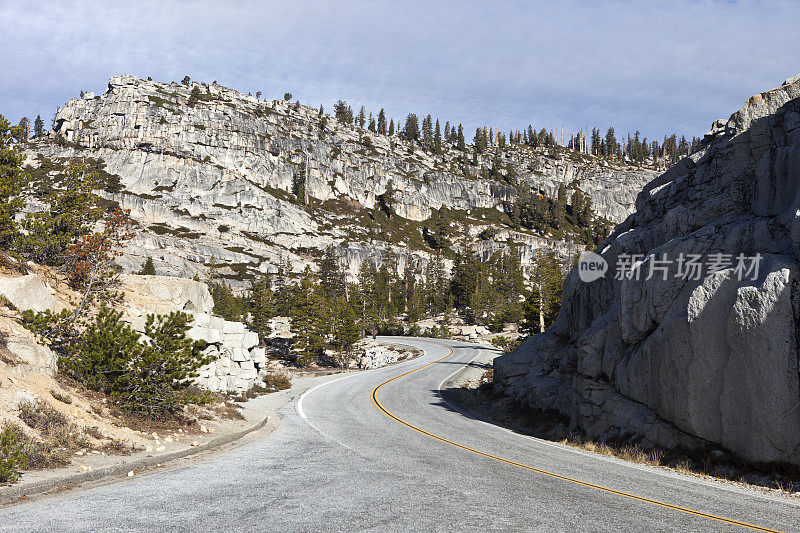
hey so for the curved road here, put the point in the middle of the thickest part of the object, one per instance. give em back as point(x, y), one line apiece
point(369, 452)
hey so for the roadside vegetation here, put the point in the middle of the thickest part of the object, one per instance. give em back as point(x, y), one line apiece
point(79, 235)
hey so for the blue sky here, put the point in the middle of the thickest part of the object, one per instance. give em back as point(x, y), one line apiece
point(659, 67)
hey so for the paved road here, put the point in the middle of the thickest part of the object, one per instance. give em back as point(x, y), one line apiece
point(340, 463)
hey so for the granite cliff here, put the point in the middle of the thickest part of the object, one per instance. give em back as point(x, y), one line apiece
point(225, 176)
point(697, 361)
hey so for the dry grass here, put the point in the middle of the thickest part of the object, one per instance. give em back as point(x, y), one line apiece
point(54, 427)
point(553, 426)
point(275, 381)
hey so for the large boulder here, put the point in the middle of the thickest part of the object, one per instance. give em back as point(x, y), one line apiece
point(28, 292)
point(679, 360)
point(18, 348)
point(160, 294)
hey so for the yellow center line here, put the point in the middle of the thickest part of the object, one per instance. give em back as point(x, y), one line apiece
point(538, 470)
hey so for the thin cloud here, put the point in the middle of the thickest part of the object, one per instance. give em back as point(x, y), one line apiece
point(654, 67)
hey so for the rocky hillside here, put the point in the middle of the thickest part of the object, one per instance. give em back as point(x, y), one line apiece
point(224, 176)
point(678, 361)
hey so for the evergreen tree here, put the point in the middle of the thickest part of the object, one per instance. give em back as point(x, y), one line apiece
point(436, 231)
point(299, 182)
point(308, 314)
point(226, 304)
point(464, 280)
point(11, 179)
point(611, 143)
point(194, 96)
point(362, 117)
point(38, 126)
point(148, 269)
point(427, 133)
point(437, 139)
point(262, 306)
point(462, 145)
point(186, 81)
point(544, 300)
point(74, 209)
point(382, 122)
point(282, 290)
point(331, 276)
point(411, 129)
point(372, 127)
point(391, 126)
point(24, 129)
point(343, 112)
point(346, 329)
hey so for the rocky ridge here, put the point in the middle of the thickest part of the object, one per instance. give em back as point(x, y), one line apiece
point(670, 361)
point(214, 176)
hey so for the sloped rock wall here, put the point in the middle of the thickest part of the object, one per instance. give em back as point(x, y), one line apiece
point(690, 362)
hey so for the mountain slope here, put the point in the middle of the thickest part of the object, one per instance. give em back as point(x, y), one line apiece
point(253, 183)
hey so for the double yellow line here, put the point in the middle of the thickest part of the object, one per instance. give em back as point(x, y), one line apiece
point(538, 470)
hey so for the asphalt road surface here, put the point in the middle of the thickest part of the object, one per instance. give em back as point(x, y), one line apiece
point(348, 457)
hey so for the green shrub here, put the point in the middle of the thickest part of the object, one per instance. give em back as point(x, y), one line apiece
point(148, 269)
point(12, 457)
point(145, 378)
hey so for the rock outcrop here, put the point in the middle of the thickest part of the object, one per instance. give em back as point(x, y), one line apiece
point(28, 292)
point(238, 363)
point(253, 184)
point(678, 361)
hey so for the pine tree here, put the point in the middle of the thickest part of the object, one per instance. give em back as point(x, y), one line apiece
point(194, 96)
point(262, 306)
point(427, 133)
point(372, 127)
point(10, 183)
point(462, 145)
point(382, 122)
point(38, 126)
point(391, 126)
point(346, 330)
point(411, 129)
point(308, 314)
point(148, 269)
point(544, 300)
point(186, 81)
point(464, 280)
point(343, 112)
point(282, 290)
point(437, 139)
point(611, 143)
point(24, 129)
point(436, 231)
point(331, 276)
point(362, 117)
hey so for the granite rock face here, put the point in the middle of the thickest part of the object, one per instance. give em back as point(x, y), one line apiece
point(672, 361)
point(215, 176)
point(28, 292)
point(239, 363)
